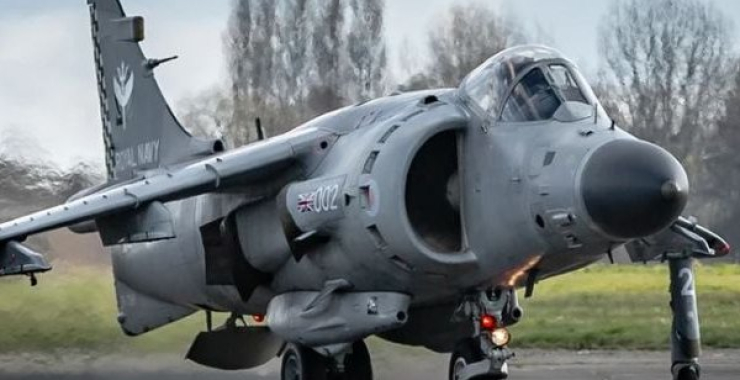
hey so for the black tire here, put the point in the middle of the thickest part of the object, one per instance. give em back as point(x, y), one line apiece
point(688, 373)
point(466, 352)
point(302, 363)
point(358, 365)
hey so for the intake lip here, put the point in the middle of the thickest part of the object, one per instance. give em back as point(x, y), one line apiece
point(633, 189)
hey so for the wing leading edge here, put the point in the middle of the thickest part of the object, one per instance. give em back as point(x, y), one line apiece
point(246, 165)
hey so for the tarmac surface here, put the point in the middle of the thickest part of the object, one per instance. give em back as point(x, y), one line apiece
point(416, 365)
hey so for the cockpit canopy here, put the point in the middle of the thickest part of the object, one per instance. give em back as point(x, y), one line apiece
point(529, 84)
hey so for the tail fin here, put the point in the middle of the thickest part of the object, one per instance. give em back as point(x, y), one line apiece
point(139, 129)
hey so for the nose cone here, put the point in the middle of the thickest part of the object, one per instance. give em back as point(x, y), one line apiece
point(633, 189)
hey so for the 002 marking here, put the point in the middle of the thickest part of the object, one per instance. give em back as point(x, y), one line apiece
point(326, 198)
point(688, 286)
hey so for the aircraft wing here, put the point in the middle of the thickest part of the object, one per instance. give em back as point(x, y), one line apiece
point(246, 165)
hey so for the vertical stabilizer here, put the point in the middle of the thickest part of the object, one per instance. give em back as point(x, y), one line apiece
point(139, 129)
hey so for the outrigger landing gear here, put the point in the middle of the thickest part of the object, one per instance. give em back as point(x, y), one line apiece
point(304, 363)
point(690, 241)
point(484, 356)
point(685, 336)
point(680, 245)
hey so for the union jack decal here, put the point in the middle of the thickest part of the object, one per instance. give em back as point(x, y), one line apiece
point(306, 202)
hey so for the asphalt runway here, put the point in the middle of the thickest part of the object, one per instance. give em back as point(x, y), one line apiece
point(412, 365)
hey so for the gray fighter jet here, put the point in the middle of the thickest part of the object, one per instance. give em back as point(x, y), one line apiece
point(413, 217)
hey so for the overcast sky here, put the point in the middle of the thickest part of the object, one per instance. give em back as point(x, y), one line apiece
point(47, 81)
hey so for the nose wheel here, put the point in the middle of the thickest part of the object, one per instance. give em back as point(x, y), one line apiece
point(466, 353)
point(484, 356)
point(304, 363)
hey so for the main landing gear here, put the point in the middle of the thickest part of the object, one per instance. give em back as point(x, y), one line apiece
point(484, 356)
point(304, 363)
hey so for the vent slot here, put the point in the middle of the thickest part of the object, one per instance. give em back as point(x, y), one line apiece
point(401, 263)
point(388, 134)
point(378, 238)
point(412, 115)
point(549, 158)
point(370, 162)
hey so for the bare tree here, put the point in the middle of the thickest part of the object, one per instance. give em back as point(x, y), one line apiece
point(469, 35)
point(263, 51)
point(266, 48)
point(722, 161)
point(367, 50)
point(665, 64)
point(294, 59)
point(209, 114)
point(328, 42)
point(293, 65)
point(238, 46)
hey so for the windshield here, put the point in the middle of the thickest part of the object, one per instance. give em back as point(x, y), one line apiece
point(533, 99)
point(565, 83)
point(528, 83)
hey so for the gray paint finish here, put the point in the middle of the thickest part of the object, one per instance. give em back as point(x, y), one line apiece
point(358, 221)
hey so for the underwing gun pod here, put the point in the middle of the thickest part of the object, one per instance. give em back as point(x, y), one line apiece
point(414, 217)
point(679, 245)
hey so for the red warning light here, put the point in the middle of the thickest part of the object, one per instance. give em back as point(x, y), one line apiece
point(724, 249)
point(488, 322)
point(259, 318)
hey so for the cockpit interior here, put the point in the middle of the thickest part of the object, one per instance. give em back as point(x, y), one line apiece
point(530, 84)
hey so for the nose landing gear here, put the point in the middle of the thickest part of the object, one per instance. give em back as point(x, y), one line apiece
point(484, 356)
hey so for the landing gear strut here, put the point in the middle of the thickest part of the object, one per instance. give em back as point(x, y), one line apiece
point(695, 242)
point(304, 363)
point(680, 245)
point(484, 355)
point(685, 336)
